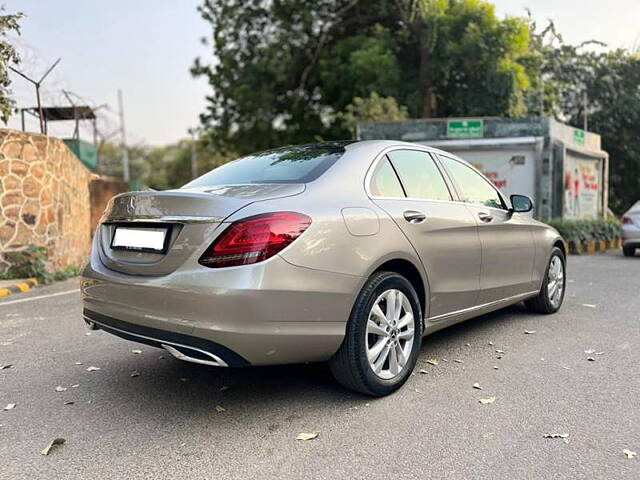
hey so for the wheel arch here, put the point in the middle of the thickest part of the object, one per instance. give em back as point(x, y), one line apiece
point(414, 274)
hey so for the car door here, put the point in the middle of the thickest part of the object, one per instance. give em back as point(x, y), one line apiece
point(508, 247)
point(410, 187)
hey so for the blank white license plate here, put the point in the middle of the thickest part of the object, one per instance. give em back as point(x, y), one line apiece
point(142, 239)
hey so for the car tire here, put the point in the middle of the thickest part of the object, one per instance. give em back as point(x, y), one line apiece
point(351, 364)
point(629, 251)
point(546, 302)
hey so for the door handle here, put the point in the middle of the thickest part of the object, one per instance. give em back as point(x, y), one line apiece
point(413, 216)
point(485, 217)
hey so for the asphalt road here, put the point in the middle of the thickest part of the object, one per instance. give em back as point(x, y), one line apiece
point(164, 423)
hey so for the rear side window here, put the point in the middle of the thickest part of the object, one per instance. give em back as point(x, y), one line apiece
point(475, 188)
point(296, 164)
point(419, 175)
point(384, 182)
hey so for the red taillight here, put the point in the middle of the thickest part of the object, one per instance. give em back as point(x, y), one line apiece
point(254, 239)
point(627, 221)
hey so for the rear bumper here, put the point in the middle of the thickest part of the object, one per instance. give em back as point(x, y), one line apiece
point(263, 314)
point(631, 235)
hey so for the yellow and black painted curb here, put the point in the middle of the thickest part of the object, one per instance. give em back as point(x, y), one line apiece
point(590, 247)
point(18, 286)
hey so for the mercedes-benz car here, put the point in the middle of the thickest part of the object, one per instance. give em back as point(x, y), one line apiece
point(348, 252)
point(631, 230)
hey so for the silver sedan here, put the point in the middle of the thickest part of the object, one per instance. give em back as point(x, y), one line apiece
point(345, 252)
point(631, 230)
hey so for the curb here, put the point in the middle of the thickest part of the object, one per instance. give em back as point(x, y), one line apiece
point(589, 247)
point(18, 286)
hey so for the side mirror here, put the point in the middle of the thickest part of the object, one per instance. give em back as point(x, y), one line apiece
point(521, 203)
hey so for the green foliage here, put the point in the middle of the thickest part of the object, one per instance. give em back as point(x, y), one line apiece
point(567, 75)
point(8, 24)
point(33, 262)
point(374, 108)
point(286, 71)
point(584, 230)
point(27, 263)
point(160, 168)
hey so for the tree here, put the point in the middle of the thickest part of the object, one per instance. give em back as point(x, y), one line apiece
point(578, 81)
point(285, 68)
point(8, 55)
point(374, 108)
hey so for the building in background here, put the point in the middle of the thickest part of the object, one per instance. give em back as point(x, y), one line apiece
point(563, 169)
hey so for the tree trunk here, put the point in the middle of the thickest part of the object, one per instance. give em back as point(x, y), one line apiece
point(425, 82)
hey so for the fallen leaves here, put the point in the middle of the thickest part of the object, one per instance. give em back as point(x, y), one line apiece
point(4, 367)
point(457, 360)
point(588, 305)
point(487, 401)
point(10, 406)
point(93, 369)
point(307, 436)
point(423, 372)
point(591, 359)
point(629, 453)
point(220, 409)
point(477, 386)
point(61, 389)
point(53, 443)
point(135, 374)
point(555, 435)
point(136, 351)
point(432, 361)
point(529, 332)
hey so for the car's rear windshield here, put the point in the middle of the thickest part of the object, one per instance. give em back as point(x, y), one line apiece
point(297, 164)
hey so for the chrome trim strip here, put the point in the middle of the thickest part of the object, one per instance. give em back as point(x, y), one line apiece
point(216, 361)
point(164, 219)
point(444, 316)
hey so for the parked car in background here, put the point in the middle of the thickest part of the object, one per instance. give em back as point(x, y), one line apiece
point(631, 230)
point(348, 252)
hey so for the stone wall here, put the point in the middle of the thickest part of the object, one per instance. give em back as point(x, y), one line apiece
point(44, 198)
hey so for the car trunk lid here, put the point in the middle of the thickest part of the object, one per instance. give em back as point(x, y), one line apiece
point(190, 218)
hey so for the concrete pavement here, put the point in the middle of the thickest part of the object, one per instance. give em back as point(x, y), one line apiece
point(164, 423)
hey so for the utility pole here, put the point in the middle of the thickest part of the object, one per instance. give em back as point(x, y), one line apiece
point(586, 114)
point(123, 138)
point(194, 158)
point(37, 84)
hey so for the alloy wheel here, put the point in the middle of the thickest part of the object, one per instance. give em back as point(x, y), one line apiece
point(555, 281)
point(390, 333)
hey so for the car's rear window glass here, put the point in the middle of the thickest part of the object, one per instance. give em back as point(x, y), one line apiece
point(296, 164)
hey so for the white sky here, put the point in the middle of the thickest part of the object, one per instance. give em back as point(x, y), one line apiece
point(146, 48)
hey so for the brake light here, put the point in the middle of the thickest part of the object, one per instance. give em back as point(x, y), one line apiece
point(254, 239)
point(627, 221)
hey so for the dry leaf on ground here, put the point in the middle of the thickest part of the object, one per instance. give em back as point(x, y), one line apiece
point(136, 351)
point(10, 406)
point(93, 369)
point(529, 332)
point(486, 401)
point(220, 409)
point(477, 386)
point(629, 453)
point(60, 389)
point(52, 443)
point(307, 436)
point(556, 435)
point(431, 361)
point(4, 367)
